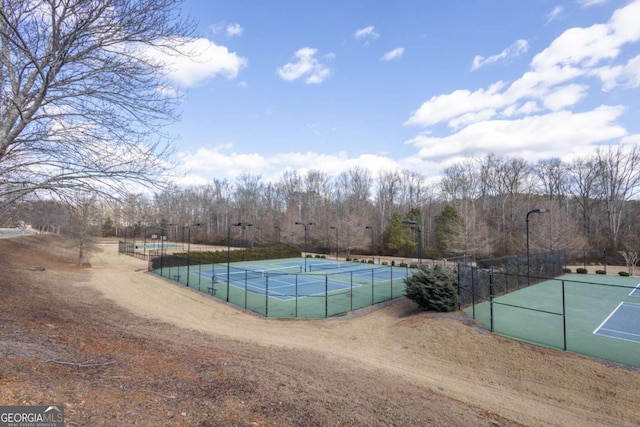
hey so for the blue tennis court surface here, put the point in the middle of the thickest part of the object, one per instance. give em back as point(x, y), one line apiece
point(623, 323)
point(284, 287)
point(635, 292)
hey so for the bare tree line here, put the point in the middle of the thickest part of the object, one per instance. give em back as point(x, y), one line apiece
point(477, 207)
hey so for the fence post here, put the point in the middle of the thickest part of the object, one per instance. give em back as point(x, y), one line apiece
point(266, 295)
point(373, 298)
point(326, 296)
point(564, 320)
point(491, 295)
point(474, 272)
point(459, 303)
point(246, 296)
point(351, 293)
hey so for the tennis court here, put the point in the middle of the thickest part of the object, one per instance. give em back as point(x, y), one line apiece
point(294, 287)
point(594, 315)
point(280, 286)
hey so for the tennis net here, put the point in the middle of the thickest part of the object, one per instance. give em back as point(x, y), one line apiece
point(329, 266)
point(235, 273)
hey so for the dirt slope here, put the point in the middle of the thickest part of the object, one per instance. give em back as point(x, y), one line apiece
point(116, 344)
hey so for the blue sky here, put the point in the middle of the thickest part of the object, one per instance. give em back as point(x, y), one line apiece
point(413, 85)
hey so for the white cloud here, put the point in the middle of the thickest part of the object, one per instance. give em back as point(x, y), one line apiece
point(555, 13)
point(393, 54)
point(626, 76)
point(589, 3)
point(585, 47)
point(631, 139)
point(305, 65)
point(516, 49)
point(200, 59)
point(446, 107)
point(367, 33)
point(228, 29)
point(551, 81)
point(532, 137)
point(534, 115)
point(233, 30)
point(230, 164)
point(565, 96)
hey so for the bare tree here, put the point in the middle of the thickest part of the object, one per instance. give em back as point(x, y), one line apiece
point(83, 215)
point(387, 196)
point(631, 259)
point(81, 99)
point(584, 187)
point(619, 177)
point(552, 176)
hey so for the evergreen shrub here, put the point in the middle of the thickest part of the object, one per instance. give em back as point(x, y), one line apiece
point(433, 289)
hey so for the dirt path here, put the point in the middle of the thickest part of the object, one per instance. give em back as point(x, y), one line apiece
point(523, 383)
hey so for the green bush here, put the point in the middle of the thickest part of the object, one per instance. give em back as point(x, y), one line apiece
point(385, 263)
point(566, 270)
point(601, 272)
point(403, 264)
point(370, 261)
point(623, 273)
point(433, 289)
point(581, 270)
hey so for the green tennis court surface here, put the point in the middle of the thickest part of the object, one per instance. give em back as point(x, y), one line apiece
point(593, 315)
point(294, 287)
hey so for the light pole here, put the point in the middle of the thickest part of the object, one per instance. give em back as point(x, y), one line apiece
point(542, 210)
point(336, 228)
point(169, 234)
point(235, 224)
point(373, 256)
point(162, 238)
point(305, 224)
point(144, 242)
point(415, 226)
point(189, 249)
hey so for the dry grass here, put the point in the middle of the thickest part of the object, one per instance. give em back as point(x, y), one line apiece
point(118, 346)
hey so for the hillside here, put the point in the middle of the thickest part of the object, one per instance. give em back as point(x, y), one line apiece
point(119, 346)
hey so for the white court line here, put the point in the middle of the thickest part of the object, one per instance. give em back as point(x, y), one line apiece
point(623, 303)
point(608, 317)
point(621, 333)
point(637, 288)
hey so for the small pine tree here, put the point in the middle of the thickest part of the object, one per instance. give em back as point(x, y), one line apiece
point(107, 227)
point(433, 289)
